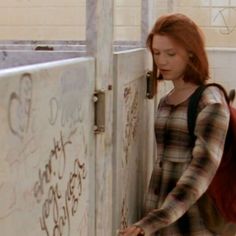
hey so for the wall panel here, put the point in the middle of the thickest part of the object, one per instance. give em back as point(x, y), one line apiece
point(133, 136)
point(42, 20)
point(47, 149)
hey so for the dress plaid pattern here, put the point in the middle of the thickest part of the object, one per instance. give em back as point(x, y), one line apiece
point(182, 173)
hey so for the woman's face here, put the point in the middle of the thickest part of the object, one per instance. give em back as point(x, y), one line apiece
point(170, 58)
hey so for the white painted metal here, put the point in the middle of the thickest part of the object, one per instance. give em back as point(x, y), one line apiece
point(147, 20)
point(16, 58)
point(99, 36)
point(47, 149)
point(132, 132)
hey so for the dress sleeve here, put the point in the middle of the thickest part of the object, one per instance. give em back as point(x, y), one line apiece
point(210, 130)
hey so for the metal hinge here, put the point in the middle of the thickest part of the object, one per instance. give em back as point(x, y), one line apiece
point(151, 85)
point(99, 113)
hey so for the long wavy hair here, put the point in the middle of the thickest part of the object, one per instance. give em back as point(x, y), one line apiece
point(185, 33)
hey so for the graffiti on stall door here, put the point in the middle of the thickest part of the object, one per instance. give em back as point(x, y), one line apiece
point(223, 17)
point(67, 113)
point(131, 96)
point(19, 107)
point(58, 205)
point(124, 213)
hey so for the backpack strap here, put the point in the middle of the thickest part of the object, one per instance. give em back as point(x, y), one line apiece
point(193, 105)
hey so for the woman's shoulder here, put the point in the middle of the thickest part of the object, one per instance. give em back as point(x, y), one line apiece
point(213, 94)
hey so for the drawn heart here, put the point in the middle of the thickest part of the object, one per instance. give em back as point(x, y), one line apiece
point(20, 106)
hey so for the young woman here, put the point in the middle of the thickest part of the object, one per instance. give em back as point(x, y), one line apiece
point(183, 171)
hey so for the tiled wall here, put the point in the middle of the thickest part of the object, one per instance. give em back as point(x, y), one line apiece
point(66, 19)
point(42, 19)
point(216, 17)
point(162, 7)
point(63, 20)
point(222, 66)
point(127, 20)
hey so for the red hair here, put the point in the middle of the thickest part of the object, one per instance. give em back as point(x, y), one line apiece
point(183, 31)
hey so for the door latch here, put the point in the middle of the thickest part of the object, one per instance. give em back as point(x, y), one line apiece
point(99, 113)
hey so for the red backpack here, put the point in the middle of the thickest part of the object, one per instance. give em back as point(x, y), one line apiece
point(222, 189)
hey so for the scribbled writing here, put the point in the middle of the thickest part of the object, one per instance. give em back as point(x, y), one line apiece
point(223, 16)
point(19, 107)
point(68, 108)
point(131, 119)
point(124, 212)
point(68, 115)
point(54, 167)
point(59, 206)
point(59, 218)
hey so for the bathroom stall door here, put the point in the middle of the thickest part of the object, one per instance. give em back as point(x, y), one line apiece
point(133, 136)
point(47, 149)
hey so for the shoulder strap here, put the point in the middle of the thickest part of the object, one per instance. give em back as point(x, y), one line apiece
point(193, 105)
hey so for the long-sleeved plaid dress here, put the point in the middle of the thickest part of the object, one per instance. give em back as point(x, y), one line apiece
point(182, 173)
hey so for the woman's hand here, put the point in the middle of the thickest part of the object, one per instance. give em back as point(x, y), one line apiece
point(132, 231)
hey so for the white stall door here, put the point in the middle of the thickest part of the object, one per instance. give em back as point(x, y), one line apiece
point(133, 136)
point(47, 149)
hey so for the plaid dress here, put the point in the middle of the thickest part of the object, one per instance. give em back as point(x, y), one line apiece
point(182, 172)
